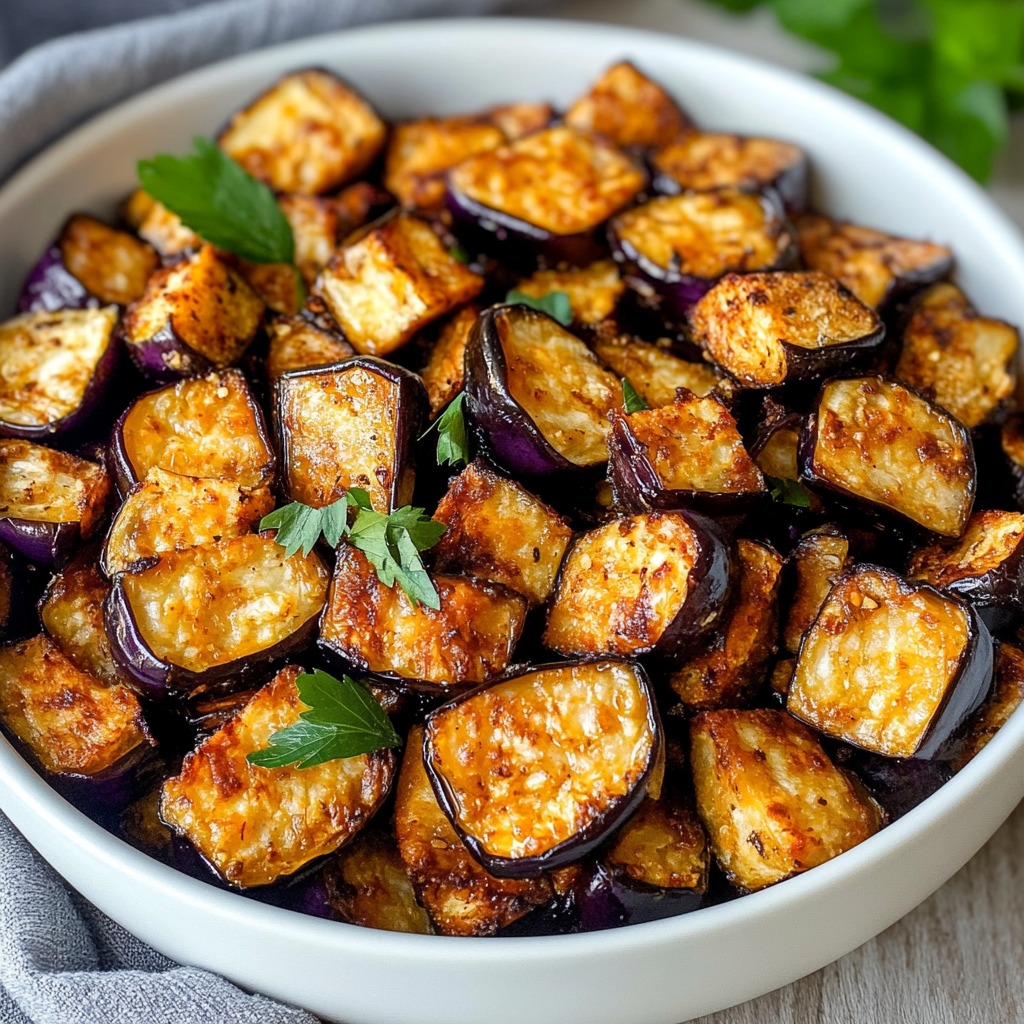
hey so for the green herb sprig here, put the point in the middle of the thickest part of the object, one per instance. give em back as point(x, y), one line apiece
point(557, 305)
point(342, 720)
point(632, 400)
point(789, 492)
point(452, 435)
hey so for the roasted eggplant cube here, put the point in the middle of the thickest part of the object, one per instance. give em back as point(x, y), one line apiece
point(168, 512)
point(296, 343)
point(391, 282)
point(71, 611)
point(213, 614)
point(445, 369)
point(776, 443)
point(676, 247)
point(527, 779)
point(316, 224)
point(155, 224)
point(308, 133)
point(49, 501)
point(772, 802)
point(654, 371)
point(960, 360)
point(767, 329)
point(255, 825)
point(542, 197)
point(71, 722)
point(196, 315)
point(461, 897)
point(658, 582)
point(875, 441)
point(1007, 695)
point(817, 561)
point(379, 630)
point(353, 424)
point(57, 368)
point(876, 267)
point(367, 884)
point(700, 161)
point(90, 264)
point(685, 455)
point(630, 109)
point(594, 291)
point(519, 119)
point(985, 564)
point(498, 531)
point(420, 154)
point(891, 666)
point(208, 427)
point(538, 397)
point(728, 674)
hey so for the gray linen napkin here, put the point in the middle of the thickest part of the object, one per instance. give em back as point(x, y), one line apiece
point(61, 960)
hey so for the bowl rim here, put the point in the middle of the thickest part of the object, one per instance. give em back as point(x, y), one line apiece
point(116, 855)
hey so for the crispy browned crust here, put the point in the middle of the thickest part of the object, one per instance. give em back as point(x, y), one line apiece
point(990, 539)
point(500, 532)
point(113, 265)
point(298, 344)
point(703, 160)
point(727, 674)
point(444, 371)
point(255, 825)
point(629, 108)
point(461, 897)
point(773, 803)
point(818, 561)
point(1007, 695)
point(594, 290)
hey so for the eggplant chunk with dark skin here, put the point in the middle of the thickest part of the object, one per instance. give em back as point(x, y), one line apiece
point(527, 778)
point(897, 784)
point(309, 132)
point(1007, 695)
point(90, 265)
point(656, 582)
point(899, 699)
point(74, 724)
point(700, 161)
point(208, 427)
point(57, 370)
point(685, 455)
point(960, 360)
point(878, 268)
point(168, 512)
point(767, 329)
point(772, 802)
point(875, 441)
point(594, 290)
point(391, 281)
point(49, 501)
point(630, 109)
point(353, 424)
point(985, 564)
point(296, 343)
point(156, 225)
point(538, 397)
point(817, 561)
point(655, 372)
point(196, 315)
point(1011, 443)
point(461, 897)
point(676, 247)
point(499, 531)
point(729, 672)
point(542, 197)
point(254, 825)
point(367, 884)
point(213, 614)
point(379, 631)
point(445, 369)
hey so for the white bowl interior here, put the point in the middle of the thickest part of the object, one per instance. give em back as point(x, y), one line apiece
point(866, 168)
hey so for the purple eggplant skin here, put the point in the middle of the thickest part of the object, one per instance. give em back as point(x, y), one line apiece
point(113, 789)
point(578, 846)
point(790, 187)
point(518, 242)
point(607, 899)
point(164, 350)
point(50, 286)
point(48, 545)
point(897, 784)
point(158, 680)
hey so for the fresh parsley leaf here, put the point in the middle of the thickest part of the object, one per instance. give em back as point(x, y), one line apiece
point(299, 526)
point(458, 253)
point(221, 202)
point(452, 436)
point(632, 400)
point(342, 720)
point(556, 304)
point(789, 492)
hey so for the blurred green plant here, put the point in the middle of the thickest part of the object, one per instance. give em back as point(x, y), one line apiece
point(948, 69)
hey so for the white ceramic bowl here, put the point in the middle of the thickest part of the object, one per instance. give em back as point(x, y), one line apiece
point(867, 168)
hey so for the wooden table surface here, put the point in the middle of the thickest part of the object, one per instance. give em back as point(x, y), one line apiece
point(959, 957)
